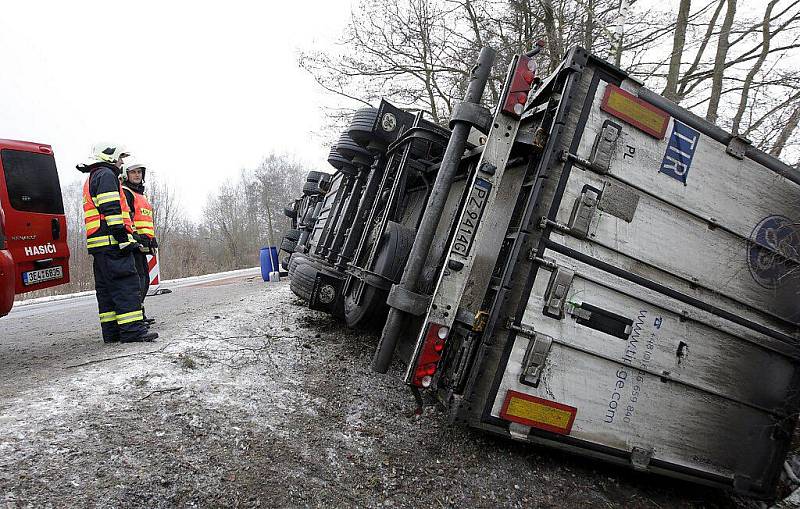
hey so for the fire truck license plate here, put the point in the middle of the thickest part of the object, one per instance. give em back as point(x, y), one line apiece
point(472, 217)
point(40, 276)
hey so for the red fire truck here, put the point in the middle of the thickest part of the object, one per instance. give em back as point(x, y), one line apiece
point(33, 229)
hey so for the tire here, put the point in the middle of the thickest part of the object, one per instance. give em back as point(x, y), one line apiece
point(315, 176)
point(292, 234)
point(389, 262)
point(288, 245)
point(350, 149)
point(294, 260)
point(310, 188)
point(303, 278)
point(360, 129)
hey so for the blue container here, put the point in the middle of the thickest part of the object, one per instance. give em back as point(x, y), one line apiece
point(269, 261)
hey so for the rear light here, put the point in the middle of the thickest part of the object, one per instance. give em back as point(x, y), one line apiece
point(431, 354)
point(521, 82)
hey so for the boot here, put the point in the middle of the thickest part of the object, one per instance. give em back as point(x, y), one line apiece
point(144, 338)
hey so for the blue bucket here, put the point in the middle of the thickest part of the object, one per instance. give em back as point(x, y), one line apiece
point(269, 261)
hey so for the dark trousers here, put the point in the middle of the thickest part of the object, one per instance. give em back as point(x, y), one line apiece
point(144, 273)
point(118, 295)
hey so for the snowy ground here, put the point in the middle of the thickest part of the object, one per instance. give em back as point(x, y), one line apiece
point(250, 399)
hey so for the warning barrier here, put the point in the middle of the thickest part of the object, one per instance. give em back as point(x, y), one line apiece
point(152, 268)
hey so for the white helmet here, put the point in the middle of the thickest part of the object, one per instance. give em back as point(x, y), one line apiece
point(129, 165)
point(109, 152)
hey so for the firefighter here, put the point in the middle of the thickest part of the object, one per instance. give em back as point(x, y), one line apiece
point(109, 238)
point(133, 175)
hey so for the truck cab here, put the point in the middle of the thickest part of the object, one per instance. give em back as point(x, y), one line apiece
point(33, 231)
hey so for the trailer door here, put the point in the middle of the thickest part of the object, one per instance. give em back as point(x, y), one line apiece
point(36, 232)
point(661, 326)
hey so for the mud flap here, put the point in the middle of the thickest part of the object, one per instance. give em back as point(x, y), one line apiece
point(327, 294)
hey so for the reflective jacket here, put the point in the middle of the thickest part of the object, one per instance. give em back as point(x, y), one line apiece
point(106, 215)
point(142, 213)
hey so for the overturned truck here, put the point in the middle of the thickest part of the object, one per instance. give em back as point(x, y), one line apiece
point(589, 267)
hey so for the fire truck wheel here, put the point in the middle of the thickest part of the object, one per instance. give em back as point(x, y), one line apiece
point(302, 282)
point(389, 262)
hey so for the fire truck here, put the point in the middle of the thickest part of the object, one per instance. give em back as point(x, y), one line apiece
point(604, 273)
point(33, 231)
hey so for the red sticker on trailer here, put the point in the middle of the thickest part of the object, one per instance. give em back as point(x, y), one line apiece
point(538, 413)
point(636, 112)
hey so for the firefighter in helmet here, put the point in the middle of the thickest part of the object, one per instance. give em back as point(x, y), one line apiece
point(141, 212)
point(109, 238)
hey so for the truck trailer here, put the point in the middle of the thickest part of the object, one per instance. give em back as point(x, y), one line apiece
point(604, 273)
point(620, 281)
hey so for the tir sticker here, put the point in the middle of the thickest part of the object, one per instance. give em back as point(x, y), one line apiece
point(772, 254)
point(680, 151)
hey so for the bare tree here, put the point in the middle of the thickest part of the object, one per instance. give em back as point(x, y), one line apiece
point(678, 41)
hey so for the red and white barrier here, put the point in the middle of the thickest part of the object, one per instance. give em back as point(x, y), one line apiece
point(152, 268)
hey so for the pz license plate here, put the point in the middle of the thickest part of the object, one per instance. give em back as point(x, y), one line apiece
point(40, 276)
point(473, 211)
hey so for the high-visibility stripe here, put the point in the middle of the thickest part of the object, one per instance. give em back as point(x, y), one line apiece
point(106, 198)
point(105, 240)
point(114, 219)
point(133, 316)
point(93, 224)
point(111, 316)
point(146, 231)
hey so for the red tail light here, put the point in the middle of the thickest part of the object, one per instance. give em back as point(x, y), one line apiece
point(521, 82)
point(431, 354)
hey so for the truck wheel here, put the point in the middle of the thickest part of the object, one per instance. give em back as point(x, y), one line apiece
point(288, 245)
point(360, 129)
point(311, 188)
point(302, 283)
point(389, 262)
point(350, 149)
point(294, 260)
point(315, 176)
point(292, 234)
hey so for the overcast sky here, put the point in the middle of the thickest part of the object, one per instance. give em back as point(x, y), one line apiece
point(197, 90)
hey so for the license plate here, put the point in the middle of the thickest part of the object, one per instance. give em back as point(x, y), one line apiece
point(40, 276)
point(476, 202)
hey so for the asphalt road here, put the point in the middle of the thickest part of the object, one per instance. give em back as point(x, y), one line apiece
point(40, 337)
